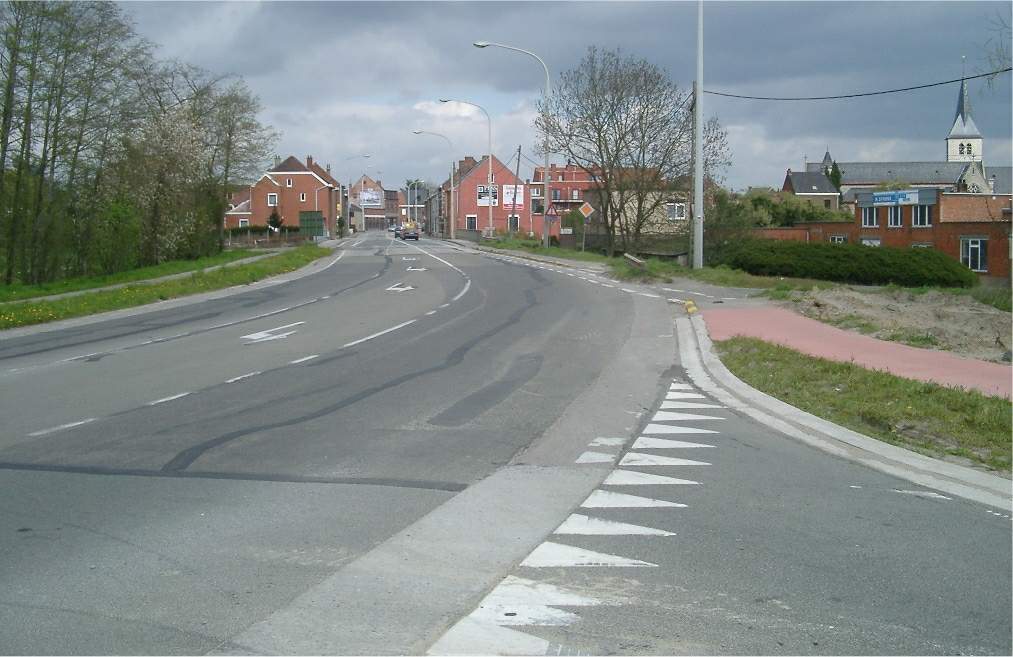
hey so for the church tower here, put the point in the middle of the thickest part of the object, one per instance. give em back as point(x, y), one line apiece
point(964, 142)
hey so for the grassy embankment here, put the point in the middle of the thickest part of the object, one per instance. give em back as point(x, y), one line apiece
point(38, 312)
point(924, 417)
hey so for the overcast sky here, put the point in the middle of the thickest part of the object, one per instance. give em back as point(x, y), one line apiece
point(339, 79)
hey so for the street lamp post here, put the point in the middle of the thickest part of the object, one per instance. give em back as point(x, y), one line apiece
point(548, 94)
point(488, 188)
point(452, 218)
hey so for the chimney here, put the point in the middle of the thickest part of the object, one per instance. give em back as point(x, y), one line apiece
point(309, 161)
point(991, 184)
point(328, 168)
point(277, 161)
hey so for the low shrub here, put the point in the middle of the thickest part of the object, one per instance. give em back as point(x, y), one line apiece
point(848, 263)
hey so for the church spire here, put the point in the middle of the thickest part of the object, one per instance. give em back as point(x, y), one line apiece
point(963, 124)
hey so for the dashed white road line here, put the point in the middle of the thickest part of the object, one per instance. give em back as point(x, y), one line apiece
point(168, 399)
point(303, 359)
point(241, 377)
point(69, 425)
point(431, 312)
point(923, 493)
point(378, 334)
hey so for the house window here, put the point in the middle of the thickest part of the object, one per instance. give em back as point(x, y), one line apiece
point(492, 177)
point(514, 223)
point(974, 253)
point(560, 178)
point(272, 200)
point(244, 222)
point(826, 203)
point(894, 217)
point(555, 195)
point(675, 211)
point(869, 219)
point(472, 220)
point(302, 197)
point(536, 191)
point(838, 239)
point(288, 182)
point(921, 245)
point(870, 241)
point(922, 216)
point(574, 194)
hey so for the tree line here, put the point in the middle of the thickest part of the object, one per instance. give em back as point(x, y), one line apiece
point(111, 158)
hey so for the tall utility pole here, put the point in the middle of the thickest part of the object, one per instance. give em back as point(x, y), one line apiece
point(517, 177)
point(698, 144)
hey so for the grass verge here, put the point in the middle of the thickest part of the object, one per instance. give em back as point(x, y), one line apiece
point(924, 417)
point(18, 292)
point(997, 296)
point(535, 247)
point(24, 314)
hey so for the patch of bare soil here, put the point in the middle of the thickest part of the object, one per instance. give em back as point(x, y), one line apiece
point(931, 320)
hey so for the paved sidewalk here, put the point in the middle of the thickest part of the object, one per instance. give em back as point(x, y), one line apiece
point(815, 338)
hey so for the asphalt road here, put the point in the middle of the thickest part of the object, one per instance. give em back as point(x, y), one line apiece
point(348, 462)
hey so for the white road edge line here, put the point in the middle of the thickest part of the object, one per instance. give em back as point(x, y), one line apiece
point(242, 376)
point(303, 359)
point(69, 425)
point(467, 286)
point(168, 399)
point(376, 335)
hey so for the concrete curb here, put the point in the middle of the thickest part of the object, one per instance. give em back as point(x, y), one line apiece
point(576, 264)
point(709, 373)
point(316, 266)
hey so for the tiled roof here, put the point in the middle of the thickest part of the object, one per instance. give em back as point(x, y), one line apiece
point(291, 163)
point(809, 182)
point(963, 124)
point(853, 173)
point(322, 172)
point(1003, 179)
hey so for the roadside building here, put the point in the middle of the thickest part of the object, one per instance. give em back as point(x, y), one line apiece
point(367, 205)
point(508, 198)
point(813, 187)
point(289, 188)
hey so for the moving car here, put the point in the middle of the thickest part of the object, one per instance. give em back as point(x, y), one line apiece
point(399, 232)
point(410, 233)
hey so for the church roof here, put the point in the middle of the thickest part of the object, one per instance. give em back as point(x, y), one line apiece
point(827, 160)
point(963, 124)
point(856, 173)
point(810, 182)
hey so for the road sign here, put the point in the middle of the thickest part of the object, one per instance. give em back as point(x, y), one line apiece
point(586, 209)
point(566, 231)
point(551, 213)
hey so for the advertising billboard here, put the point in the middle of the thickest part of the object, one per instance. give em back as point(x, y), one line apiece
point(513, 196)
point(370, 198)
point(483, 196)
point(906, 197)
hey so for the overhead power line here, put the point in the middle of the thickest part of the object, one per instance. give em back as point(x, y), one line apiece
point(858, 95)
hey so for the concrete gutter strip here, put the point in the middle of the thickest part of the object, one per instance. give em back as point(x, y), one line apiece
point(311, 268)
point(704, 367)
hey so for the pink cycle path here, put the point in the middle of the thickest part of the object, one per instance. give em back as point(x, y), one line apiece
point(815, 338)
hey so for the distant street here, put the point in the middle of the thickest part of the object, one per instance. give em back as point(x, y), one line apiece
point(349, 462)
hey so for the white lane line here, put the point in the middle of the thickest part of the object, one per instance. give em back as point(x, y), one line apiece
point(606, 442)
point(436, 257)
point(670, 416)
point(467, 286)
point(69, 425)
point(431, 312)
point(241, 377)
point(357, 243)
point(682, 404)
point(923, 493)
point(331, 263)
point(633, 478)
point(672, 289)
point(595, 457)
point(647, 294)
point(168, 399)
point(646, 442)
point(376, 335)
point(606, 499)
point(626, 289)
point(444, 305)
point(303, 359)
point(556, 555)
point(582, 525)
point(701, 294)
point(570, 275)
point(671, 428)
point(674, 300)
point(634, 458)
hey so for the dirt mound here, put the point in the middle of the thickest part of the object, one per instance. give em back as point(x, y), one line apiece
point(931, 320)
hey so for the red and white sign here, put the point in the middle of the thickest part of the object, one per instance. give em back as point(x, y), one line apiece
point(586, 209)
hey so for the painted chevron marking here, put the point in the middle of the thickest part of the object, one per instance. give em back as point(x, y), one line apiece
point(582, 525)
point(646, 442)
point(606, 442)
point(595, 457)
point(633, 478)
point(669, 416)
point(671, 428)
point(636, 458)
point(687, 405)
point(684, 395)
point(471, 636)
point(557, 555)
point(605, 499)
point(680, 386)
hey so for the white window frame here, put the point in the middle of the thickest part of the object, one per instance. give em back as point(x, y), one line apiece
point(978, 256)
point(288, 182)
point(536, 191)
point(678, 212)
point(557, 194)
point(838, 239)
point(894, 217)
point(871, 241)
point(574, 194)
point(243, 223)
point(302, 197)
point(513, 223)
point(471, 221)
point(870, 218)
point(921, 216)
point(272, 202)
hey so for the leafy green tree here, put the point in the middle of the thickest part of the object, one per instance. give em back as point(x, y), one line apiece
point(835, 176)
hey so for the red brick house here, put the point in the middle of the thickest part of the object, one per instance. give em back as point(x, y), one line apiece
point(288, 188)
point(510, 200)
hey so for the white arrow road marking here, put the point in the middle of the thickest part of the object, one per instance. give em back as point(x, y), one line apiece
point(416, 269)
point(923, 493)
point(264, 336)
point(680, 404)
point(408, 258)
point(168, 399)
point(586, 526)
point(557, 555)
point(606, 442)
point(632, 478)
point(636, 458)
point(645, 442)
point(595, 457)
point(684, 395)
point(671, 428)
point(399, 287)
point(471, 636)
point(604, 499)
point(62, 427)
point(669, 416)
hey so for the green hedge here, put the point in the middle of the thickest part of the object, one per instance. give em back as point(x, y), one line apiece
point(260, 230)
point(847, 263)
